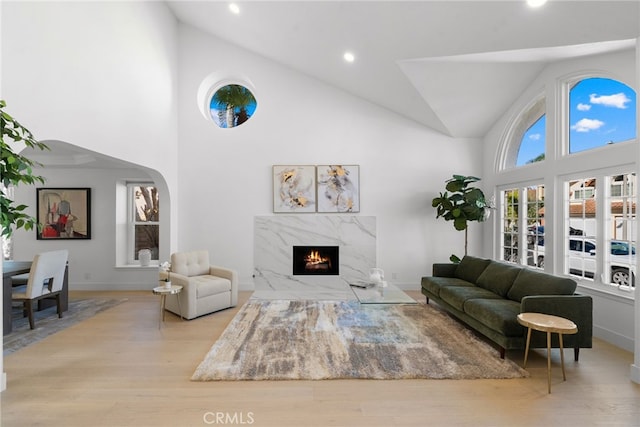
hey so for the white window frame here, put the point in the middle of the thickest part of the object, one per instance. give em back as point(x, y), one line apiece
point(522, 234)
point(131, 220)
point(603, 235)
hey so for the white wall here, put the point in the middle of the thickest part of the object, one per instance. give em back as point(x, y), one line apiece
point(97, 74)
point(225, 174)
point(92, 263)
point(120, 79)
point(613, 314)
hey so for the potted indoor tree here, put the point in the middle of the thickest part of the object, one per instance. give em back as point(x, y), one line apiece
point(461, 203)
point(15, 169)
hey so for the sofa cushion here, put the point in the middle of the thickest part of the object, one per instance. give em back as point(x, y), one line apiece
point(456, 296)
point(210, 285)
point(498, 277)
point(470, 268)
point(501, 315)
point(434, 284)
point(531, 282)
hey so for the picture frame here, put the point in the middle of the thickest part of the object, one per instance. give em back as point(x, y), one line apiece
point(294, 188)
point(63, 213)
point(338, 188)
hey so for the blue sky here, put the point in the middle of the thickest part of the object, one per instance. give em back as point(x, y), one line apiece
point(600, 111)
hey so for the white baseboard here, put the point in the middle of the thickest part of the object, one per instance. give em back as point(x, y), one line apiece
point(635, 374)
point(131, 286)
point(613, 338)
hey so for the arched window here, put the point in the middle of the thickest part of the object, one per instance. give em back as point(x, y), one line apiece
point(590, 220)
point(532, 143)
point(526, 140)
point(601, 111)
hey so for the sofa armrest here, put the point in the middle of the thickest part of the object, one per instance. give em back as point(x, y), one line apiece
point(444, 269)
point(577, 308)
point(230, 274)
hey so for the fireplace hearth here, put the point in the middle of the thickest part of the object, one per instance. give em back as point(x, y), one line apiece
point(316, 260)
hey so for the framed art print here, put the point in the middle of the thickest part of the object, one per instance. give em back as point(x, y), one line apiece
point(338, 188)
point(64, 213)
point(294, 188)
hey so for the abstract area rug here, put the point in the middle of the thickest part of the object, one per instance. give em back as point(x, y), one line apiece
point(314, 340)
point(48, 323)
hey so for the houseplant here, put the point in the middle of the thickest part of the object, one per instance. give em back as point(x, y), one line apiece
point(15, 169)
point(461, 203)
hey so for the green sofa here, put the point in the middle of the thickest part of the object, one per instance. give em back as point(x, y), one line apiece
point(488, 295)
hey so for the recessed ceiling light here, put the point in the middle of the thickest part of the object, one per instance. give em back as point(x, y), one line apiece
point(348, 56)
point(536, 3)
point(234, 8)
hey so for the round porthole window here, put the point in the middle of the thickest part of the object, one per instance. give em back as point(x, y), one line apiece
point(232, 105)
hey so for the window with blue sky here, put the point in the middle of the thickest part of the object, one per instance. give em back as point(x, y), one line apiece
point(533, 143)
point(601, 111)
point(588, 113)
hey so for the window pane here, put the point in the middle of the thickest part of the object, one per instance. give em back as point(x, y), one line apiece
point(146, 204)
point(147, 237)
point(580, 256)
point(535, 226)
point(620, 260)
point(510, 225)
point(533, 143)
point(232, 105)
point(602, 111)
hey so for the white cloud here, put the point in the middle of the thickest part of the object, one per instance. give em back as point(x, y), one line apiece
point(618, 100)
point(586, 125)
point(584, 107)
point(535, 136)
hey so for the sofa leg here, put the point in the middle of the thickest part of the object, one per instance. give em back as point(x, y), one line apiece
point(427, 300)
point(502, 352)
point(576, 353)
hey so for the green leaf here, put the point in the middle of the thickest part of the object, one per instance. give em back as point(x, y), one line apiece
point(16, 169)
point(460, 223)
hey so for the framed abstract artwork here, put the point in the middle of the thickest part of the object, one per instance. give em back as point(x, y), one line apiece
point(294, 188)
point(338, 188)
point(63, 213)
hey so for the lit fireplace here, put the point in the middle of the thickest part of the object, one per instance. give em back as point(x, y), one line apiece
point(316, 260)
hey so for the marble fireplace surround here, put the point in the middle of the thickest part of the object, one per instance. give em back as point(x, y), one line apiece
point(275, 236)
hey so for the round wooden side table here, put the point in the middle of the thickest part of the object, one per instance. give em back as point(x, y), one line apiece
point(549, 324)
point(163, 291)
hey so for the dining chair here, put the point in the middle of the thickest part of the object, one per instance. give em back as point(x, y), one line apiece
point(45, 281)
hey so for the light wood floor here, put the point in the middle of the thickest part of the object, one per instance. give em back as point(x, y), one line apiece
point(119, 369)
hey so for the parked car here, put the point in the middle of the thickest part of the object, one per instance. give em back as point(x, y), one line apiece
point(582, 257)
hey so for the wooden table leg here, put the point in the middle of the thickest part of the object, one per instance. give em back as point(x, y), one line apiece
point(549, 361)
point(163, 298)
point(526, 350)
point(564, 377)
point(179, 306)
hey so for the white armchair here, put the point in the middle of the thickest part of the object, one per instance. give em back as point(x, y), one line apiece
point(206, 288)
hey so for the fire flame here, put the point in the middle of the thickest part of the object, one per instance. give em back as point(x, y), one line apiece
point(315, 258)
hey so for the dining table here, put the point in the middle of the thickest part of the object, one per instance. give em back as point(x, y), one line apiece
point(14, 268)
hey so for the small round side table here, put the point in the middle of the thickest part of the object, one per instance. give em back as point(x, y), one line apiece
point(163, 291)
point(549, 324)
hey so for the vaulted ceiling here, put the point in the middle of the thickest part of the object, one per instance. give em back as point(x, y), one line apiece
point(454, 66)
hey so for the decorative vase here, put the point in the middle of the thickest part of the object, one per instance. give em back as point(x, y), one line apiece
point(144, 256)
point(376, 275)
